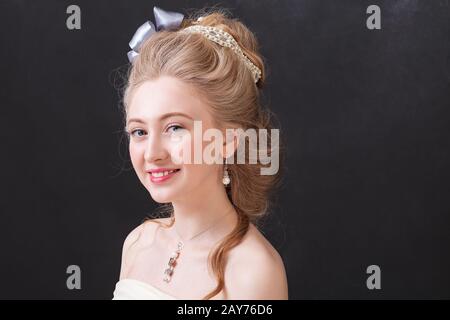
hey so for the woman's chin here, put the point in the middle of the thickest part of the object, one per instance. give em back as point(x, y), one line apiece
point(162, 197)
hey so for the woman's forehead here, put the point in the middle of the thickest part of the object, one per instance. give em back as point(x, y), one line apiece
point(152, 99)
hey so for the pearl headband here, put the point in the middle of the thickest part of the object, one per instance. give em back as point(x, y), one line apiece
point(167, 20)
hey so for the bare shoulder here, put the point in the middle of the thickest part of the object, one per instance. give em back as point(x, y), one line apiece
point(255, 270)
point(140, 236)
point(145, 231)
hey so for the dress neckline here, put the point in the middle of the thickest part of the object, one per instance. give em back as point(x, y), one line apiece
point(149, 286)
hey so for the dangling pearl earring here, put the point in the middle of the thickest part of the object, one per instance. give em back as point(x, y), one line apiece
point(226, 178)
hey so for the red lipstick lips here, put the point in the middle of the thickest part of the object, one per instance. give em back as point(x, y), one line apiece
point(161, 175)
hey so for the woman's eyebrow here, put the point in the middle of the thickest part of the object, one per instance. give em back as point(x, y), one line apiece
point(165, 116)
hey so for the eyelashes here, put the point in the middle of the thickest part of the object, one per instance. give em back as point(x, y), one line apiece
point(175, 126)
point(132, 132)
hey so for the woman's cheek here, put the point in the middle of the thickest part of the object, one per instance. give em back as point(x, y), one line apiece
point(136, 156)
point(182, 150)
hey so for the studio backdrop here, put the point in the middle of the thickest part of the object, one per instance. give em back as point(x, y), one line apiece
point(361, 91)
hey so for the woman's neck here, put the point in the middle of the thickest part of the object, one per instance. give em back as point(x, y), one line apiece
point(209, 212)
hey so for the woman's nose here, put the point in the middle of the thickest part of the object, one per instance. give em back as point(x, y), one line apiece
point(155, 149)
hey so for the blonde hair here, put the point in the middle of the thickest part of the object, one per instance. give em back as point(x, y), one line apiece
point(228, 87)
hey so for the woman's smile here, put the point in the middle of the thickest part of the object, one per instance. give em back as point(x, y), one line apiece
point(161, 175)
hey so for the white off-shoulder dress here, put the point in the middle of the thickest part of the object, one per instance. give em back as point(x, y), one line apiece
point(130, 289)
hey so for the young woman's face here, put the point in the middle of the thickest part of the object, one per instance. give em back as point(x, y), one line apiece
point(157, 137)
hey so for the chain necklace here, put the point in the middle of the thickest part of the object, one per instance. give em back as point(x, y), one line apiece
point(174, 256)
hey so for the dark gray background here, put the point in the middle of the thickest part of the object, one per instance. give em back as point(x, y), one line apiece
point(365, 115)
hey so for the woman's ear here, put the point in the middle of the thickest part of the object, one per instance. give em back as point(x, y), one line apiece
point(231, 142)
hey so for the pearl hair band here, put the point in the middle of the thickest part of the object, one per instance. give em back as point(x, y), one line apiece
point(167, 20)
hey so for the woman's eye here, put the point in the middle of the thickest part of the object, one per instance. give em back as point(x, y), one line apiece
point(137, 130)
point(140, 132)
point(175, 127)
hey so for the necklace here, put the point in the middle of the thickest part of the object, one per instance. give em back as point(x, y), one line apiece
point(174, 256)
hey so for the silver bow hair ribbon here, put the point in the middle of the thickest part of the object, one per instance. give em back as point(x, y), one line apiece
point(165, 20)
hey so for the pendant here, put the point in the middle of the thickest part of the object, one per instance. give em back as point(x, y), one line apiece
point(172, 262)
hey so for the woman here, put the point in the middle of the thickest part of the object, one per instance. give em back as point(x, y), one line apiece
point(207, 246)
